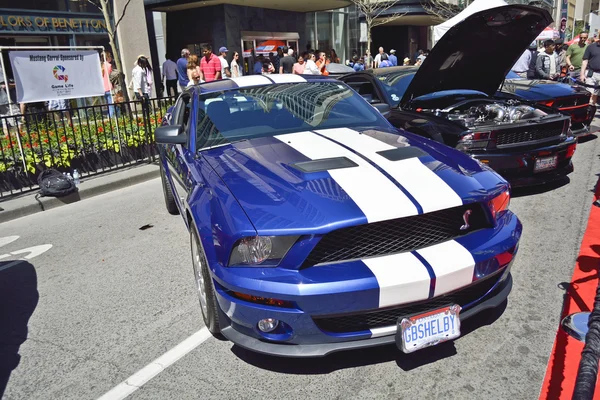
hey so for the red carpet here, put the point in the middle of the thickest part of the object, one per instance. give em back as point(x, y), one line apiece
point(562, 369)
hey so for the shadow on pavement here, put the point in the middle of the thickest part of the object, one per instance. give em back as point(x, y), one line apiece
point(18, 299)
point(370, 356)
point(538, 189)
point(587, 138)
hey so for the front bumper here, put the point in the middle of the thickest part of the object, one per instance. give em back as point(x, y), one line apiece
point(517, 165)
point(492, 300)
point(348, 289)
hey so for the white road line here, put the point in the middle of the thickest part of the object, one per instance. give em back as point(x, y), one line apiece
point(137, 380)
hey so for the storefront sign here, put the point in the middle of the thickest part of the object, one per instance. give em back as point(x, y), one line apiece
point(14, 23)
point(51, 75)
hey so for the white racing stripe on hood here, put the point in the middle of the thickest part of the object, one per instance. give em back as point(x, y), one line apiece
point(377, 197)
point(452, 263)
point(402, 278)
point(286, 78)
point(428, 189)
point(251, 80)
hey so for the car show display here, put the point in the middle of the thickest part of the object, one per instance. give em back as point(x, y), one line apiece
point(449, 99)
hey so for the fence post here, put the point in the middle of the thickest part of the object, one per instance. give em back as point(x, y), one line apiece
point(20, 146)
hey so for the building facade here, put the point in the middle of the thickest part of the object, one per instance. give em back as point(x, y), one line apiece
point(250, 27)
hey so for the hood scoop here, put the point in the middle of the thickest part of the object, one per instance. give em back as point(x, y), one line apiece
point(402, 153)
point(323, 164)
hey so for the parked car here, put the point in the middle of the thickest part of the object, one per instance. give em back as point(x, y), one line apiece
point(450, 97)
point(570, 99)
point(315, 226)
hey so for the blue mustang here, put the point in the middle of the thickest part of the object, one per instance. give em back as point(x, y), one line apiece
point(315, 226)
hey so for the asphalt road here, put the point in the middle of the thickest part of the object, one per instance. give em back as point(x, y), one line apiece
point(114, 296)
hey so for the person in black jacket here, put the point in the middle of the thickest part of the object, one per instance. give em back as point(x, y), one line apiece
point(531, 72)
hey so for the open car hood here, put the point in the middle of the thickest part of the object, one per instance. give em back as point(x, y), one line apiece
point(478, 52)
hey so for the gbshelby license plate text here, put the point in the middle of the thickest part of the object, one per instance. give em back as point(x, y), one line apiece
point(429, 329)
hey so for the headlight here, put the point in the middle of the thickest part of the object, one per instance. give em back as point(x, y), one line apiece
point(499, 203)
point(261, 250)
point(474, 141)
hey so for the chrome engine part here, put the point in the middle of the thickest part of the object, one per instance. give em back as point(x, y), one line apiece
point(490, 113)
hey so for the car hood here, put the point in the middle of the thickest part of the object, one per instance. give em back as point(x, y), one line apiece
point(537, 90)
point(478, 52)
point(316, 181)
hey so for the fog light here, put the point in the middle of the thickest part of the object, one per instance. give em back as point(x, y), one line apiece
point(268, 324)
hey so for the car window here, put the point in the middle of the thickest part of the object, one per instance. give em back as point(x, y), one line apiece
point(365, 88)
point(245, 113)
point(395, 84)
point(183, 110)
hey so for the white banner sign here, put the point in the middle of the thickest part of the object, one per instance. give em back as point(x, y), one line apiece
point(52, 75)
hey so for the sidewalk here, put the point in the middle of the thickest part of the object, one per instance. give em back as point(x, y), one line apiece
point(27, 204)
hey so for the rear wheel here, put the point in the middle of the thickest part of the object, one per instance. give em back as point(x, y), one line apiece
point(204, 285)
point(168, 192)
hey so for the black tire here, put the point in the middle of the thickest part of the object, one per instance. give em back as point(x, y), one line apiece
point(168, 192)
point(210, 313)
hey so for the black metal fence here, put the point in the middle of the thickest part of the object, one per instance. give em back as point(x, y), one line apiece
point(90, 139)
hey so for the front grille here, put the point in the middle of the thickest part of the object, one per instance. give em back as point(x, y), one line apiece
point(388, 317)
point(529, 135)
point(397, 235)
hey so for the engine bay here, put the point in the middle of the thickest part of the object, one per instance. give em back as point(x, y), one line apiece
point(472, 113)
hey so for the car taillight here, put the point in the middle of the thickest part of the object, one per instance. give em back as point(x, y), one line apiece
point(499, 203)
point(571, 150)
point(475, 140)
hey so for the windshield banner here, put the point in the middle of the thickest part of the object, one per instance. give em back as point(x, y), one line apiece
point(54, 75)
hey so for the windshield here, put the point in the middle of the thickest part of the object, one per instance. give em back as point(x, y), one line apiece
point(395, 84)
point(233, 115)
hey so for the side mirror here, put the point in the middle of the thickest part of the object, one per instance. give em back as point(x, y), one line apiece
point(170, 134)
point(383, 108)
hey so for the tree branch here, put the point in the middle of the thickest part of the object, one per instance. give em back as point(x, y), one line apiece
point(383, 21)
point(442, 9)
point(122, 14)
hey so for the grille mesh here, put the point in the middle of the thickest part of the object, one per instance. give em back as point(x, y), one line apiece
point(396, 236)
point(530, 135)
point(389, 317)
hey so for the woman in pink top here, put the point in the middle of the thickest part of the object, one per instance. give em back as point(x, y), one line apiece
point(106, 67)
point(299, 66)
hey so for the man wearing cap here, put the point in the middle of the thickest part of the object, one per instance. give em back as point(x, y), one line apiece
point(392, 58)
point(225, 71)
point(182, 69)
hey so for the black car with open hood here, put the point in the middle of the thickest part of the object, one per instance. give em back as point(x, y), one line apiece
point(450, 98)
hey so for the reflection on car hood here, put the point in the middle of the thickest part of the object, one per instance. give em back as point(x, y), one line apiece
point(478, 52)
point(316, 181)
point(535, 89)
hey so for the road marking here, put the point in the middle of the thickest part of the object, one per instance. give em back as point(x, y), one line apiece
point(6, 240)
point(137, 380)
point(31, 252)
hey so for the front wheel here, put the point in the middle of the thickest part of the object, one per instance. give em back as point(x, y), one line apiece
point(168, 193)
point(204, 286)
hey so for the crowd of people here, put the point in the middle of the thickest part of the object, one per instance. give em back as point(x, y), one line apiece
point(384, 60)
point(554, 60)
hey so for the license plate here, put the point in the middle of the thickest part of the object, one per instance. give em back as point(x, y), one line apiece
point(545, 163)
point(428, 329)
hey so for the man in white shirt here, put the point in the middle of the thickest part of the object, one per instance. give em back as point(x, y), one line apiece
point(169, 71)
point(378, 58)
point(225, 71)
point(522, 65)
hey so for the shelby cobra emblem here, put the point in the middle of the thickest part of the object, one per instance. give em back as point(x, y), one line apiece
point(466, 219)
